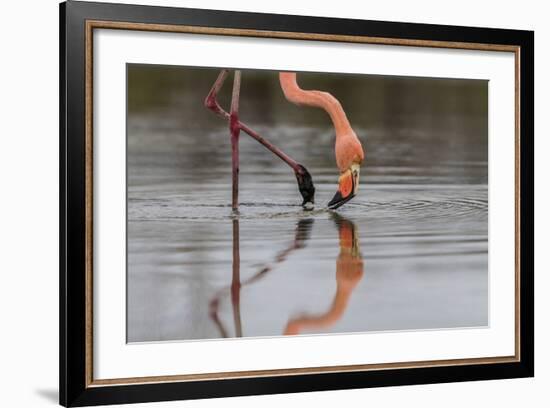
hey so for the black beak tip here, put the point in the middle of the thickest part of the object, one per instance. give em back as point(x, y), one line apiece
point(338, 200)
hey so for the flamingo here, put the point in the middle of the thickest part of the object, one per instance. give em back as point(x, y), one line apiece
point(348, 150)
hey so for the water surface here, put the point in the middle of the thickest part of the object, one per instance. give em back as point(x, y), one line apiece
point(408, 253)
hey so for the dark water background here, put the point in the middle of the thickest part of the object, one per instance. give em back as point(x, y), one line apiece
point(408, 253)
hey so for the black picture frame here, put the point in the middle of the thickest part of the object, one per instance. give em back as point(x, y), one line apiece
point(74, 390)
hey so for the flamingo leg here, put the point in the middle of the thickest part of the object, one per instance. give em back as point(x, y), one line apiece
point(211, 101)
point(305, 182)
point(235, 130)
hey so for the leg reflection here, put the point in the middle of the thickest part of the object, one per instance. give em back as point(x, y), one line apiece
point(349, 271)
point(301, 235)
point(236, 280)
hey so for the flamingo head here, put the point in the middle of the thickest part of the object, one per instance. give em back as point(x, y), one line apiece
point(348, 185)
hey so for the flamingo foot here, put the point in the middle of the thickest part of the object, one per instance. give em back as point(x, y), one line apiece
point(306, 187)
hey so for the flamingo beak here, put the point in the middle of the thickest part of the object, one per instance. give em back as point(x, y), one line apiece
point(348, 185)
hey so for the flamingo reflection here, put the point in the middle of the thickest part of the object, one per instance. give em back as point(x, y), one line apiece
point(349, 271)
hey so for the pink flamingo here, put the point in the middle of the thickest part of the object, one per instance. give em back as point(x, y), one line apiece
point(348, 150)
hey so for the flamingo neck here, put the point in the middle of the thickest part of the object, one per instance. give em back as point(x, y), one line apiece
point(318, 99)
